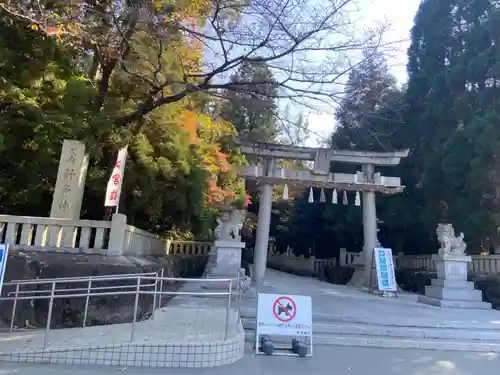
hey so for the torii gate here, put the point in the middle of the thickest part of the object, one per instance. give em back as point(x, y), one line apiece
point(367, 181)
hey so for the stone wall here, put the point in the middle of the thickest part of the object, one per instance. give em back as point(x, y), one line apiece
point(102, 310)
point(415, 282)
point(295, 265)
point(287, 262)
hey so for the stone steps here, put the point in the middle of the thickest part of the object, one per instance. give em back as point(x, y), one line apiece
point(398, 343)
point(450, 293)
point(397, 332)
point(352, 331)
point(250, 313)
point(455, 304)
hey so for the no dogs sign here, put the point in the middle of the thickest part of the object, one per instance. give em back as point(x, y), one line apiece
point(284, 309)
point(284, 315)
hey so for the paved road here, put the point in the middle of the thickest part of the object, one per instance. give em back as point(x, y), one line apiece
point(326, 360)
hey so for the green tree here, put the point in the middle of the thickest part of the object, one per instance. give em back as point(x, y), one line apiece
point(452, 94)
point(34, 119)
point(252, 108)
point(370, 113)
point(180, 165)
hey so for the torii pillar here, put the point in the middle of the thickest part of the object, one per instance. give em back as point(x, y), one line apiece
point(263, 226)
point(369, 224)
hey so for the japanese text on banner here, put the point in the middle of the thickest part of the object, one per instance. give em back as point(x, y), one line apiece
point(385, 269)
point(114, 187)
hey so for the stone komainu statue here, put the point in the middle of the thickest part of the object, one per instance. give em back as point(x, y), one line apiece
point(229, 225)
point(450, 245)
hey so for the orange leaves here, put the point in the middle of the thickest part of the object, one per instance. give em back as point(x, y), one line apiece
point(51, 30)
point(216, 195)
point(248, 199)
point(222, 160)
point(219, 186)
point(189, 122)
point(214, 160)
point(216, 163)
point(71, 32)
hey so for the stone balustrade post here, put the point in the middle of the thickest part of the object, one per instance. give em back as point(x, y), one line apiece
point(400, 260)
point(117, 235)
point(270, 248)
point(168, 245)
point(342, 256)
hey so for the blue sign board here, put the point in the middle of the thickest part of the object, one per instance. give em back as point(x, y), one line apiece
point(4, 249)
point(385, 270)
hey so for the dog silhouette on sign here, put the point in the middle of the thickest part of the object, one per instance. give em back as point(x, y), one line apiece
point(287, 310)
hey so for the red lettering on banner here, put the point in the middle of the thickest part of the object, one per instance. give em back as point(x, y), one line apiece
point(116, 178)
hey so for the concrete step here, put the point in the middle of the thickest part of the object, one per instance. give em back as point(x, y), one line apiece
point(453, 283)
point(399, 343)
point(349, 329)
point(453, 294)
point(474, 305)
point(250, 313)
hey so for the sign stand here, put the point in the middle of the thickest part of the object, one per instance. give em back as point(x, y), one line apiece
point(382, 260)
point(283, 320)
point(4, 251)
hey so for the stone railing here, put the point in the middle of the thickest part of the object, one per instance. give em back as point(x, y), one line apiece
point(194, 248)
point(351, 259)
point(479, 264)
point(299, 264)
point(140, 242)
point(113, 237)
point(346, 258)
point(320, 263)
point(416, 262)
point(39, 233)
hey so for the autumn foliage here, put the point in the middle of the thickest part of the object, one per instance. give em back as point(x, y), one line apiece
point(180, 167)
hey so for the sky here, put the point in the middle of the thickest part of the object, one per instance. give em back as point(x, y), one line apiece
point(399, 14)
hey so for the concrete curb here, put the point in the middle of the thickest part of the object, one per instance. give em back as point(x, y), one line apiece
point(161, 355)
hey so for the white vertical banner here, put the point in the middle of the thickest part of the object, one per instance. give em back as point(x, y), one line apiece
point(114, 188)
point(4, 252)
point(384, 264)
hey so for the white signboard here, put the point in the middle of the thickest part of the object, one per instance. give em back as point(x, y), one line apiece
point(114, 187)
point(385, 270)
point(4, 251)
point(284, 315)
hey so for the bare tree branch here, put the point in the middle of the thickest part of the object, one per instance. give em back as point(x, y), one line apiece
point(310, 46)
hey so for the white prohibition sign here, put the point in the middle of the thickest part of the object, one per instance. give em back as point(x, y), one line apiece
point(284, 309)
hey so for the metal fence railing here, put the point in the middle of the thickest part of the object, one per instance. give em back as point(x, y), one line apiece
point(139, 285)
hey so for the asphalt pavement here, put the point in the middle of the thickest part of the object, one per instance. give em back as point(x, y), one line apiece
point(326, 360)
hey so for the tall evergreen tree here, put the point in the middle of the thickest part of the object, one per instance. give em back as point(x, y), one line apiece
point(252, 109)
point(453, 91)
point(370, 113)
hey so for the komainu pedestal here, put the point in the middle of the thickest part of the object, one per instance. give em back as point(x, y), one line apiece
point(224, 260)
point(451, 288)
